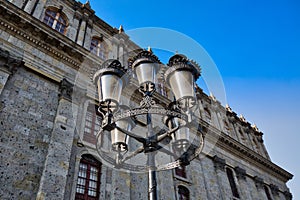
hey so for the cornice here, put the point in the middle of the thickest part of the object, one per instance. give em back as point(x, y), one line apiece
point(33, 31)
point(245, 153)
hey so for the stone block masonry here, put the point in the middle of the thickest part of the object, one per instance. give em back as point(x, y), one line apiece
point(28, 104)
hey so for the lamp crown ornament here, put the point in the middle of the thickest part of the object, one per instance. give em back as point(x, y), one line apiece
point(143, 56)
point(181, 62)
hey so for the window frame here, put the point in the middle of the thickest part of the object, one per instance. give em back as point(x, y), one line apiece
point(58, 18)
point(90, 162)
point(91, 122)
point(267, 192)
point(233, 184)
point(181, 191)
point(98, 47)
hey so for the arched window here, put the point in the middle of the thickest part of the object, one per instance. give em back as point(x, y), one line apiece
point(88, 182)
point(55, 19)
point(232, 183)
point(183, 193)
point(98, 48)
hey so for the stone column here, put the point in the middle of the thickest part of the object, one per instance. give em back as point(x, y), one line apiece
point(225, 190)
point(81, 32)
point(29, 6)
point(244, 188)
point(72, 32)
point(8, 66)
point(17, 3)
point(56, 167)
point(88, 36)
point(197, 176)
point(211, 181)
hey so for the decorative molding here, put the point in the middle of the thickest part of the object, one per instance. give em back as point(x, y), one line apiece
point(66, 90)
point(245, 153)
point(288, 195)
point(219, 163)
point(240, 173)
point(259, 182)
point(40, 36)
point(275, 189)
point(9, 63)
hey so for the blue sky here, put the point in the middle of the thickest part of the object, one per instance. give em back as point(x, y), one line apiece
point(256, 48)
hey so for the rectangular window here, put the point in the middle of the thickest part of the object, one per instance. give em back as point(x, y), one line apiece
point(92, 124)
point(88, 181)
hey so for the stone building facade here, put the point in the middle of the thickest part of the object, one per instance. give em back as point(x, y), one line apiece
point(48, 49)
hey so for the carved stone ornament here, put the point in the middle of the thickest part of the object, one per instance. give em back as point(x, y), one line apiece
point(288, 195)
point(259, 182)
point(180, 62)
point(8, 63)
point(274, 189)
point(66, 89)
point(240, 173)
point(219, 163)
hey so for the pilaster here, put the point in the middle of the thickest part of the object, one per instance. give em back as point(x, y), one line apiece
point(8, 66)
point(56, 167)
point(29, 6)
point(81, 33)
point(88, 36)
point(39, 8)
point(210, 178)
point(219, 164)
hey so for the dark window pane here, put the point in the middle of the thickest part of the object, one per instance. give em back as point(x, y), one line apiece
point(232, 183)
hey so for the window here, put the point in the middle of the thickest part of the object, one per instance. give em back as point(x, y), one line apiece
point(256, 145)
point(207, 115)
point(98, 48)
point(226, 127)
point(232, 183)
point(183, 193)
point(92, 124)
point(55, 19)
point(88, 182)
point(267, 192)
point(180, 171)
point(243, 139)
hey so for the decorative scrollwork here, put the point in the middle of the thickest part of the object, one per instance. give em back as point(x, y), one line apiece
point(147, 102)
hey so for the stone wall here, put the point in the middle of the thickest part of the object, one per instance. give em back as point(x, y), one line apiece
point(28, 107)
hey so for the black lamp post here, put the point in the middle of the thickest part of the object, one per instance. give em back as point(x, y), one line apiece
point(117, 119)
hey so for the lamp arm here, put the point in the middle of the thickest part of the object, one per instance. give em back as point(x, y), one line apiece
point(136, 137)
point(166, 134)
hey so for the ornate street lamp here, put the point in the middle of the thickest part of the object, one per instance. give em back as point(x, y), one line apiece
point(174, 140)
